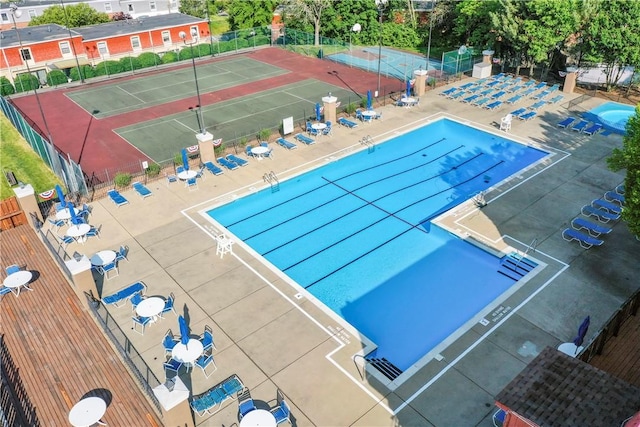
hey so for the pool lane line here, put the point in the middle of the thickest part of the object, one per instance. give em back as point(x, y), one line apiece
point(389, 214)
point(345, 176)
point(347, 192)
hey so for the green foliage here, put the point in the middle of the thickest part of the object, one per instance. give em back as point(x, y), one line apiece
point(250, 13)
point(56, 77)
point(350, 108)
point(129, 63)
point(259, 41)
point(108, 68)
point(86, 70)
point(264, 134)
point(6, 88)
point(473, 25)
point(153, 169)
point(195, 8)
point(219, 24)
point(77, 15)
point(122, 179)
point(149, 59)
point(628, 157)
point(177, 159)
point(26, 82)
point(169, 57)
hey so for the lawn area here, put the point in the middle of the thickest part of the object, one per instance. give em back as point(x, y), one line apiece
point(18, 157)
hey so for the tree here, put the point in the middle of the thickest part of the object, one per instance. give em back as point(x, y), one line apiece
point(72, 16)
point(6, 88)
point(473, 24)
point(197, 8)
point(250, 13)
point(612, 38)
point(308, 11)
point(628, 157)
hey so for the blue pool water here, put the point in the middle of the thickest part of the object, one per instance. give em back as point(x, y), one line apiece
point(614, 116)
point(356, 233)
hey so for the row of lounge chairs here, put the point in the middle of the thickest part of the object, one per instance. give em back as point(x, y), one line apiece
point(581, 126)
point(498, 87)
point(606, 209)
point(211, 401)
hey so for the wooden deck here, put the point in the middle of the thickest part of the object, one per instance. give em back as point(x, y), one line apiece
point(59, 350)
point(620, 356)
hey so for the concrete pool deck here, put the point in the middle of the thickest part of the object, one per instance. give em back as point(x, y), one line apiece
point(274, 338)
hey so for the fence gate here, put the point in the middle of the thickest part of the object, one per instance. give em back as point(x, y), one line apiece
point(10, 214)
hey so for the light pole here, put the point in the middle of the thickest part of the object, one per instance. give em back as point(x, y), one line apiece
point(430, 28)
point(461, 51)
point(183, 36)
point(380, 4)
point(356, 29)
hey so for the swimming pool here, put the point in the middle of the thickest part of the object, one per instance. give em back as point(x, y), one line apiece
point(357, 234)
point(614, 116)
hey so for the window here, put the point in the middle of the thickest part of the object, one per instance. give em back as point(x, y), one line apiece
point(174, 4)
point(166, 37)
point(130, 7)
point(65, 48)
point(194, 30)
point(135, 43)
point(26, 54)
point(107, 7)
point(32, 13)
point(152, 5)
point(102, 48)
point(5, 17)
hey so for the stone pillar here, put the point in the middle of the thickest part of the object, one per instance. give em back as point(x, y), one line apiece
point(26, 196)
point(420, 86)
point(82, 278)
point(205, 142)
point(173, 396)
point(570, 80)
point(486, 56)
point(329, 103)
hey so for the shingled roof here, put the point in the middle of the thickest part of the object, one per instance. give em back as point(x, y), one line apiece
point(559, 390)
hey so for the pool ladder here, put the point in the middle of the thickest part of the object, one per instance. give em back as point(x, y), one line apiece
point(382, 365)
point(368, 142)
point(273, 181)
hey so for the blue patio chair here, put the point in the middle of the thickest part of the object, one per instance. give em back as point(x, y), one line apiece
point(191, 184)
point(269, 153)
point(200, 173)
point(327, 131)
point(204, 362)
point(585, 240)
point(171, 178)
point(207, 339)
point(237, 160)
point(359, 114)
point(179, 169)
point(140, 322)
point(213, 169)
point(499, 417)
point(245, 403)
point(135, 300)
point(281, 412)
point(57, 223)
point(3, 291)
point(94, 231)
point(169, 305)
point(14, 268)
point(580, 126)
point(121, 254)
point(247, 150)
point(108, 268)
point(168, 342)
point(172, 365)
point(566, 123)
point(286, 144)
point(65, 240)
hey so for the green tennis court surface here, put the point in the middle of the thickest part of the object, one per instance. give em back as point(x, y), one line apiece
point(168, 86)
point(161, 139)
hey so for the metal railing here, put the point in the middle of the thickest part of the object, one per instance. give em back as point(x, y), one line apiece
point(16, 408)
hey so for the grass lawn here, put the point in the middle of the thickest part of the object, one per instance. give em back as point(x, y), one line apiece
point(18, 157)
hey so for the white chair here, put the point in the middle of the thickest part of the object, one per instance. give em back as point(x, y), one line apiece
point(224, 245)
point(505, 123)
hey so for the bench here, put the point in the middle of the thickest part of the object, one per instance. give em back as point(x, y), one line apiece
point(119, 298)
point(216, 396)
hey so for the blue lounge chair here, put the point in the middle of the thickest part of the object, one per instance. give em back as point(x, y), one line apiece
point(529, 83)
point(514, 88)
point(592, 228)
point(228, 164)
point(613, 196)
point(480, 102)
point(620, 189)
point(540, 85)
point(593, 129)
point(518, 112)
point(486, 92)
point(470, 98)
point(119, 298)
point(237, 160)
point(493, 105)
point(215, 170)
point(601, 214)
point(566, 123)
point(555, 87)
point(448, 91)
point(286, 144)
point(458, 94)
point(498, 95)
point(304, 139)
point(141, 189)
point(603, 204)
point(580, 126)
point(585, 240)
point(528, 116)
point(467, 86)
point(117, 198)
point(347, 123)
point(542, 95)
point(537, 105)
point(514, 99)
point(528, 91)
point(556, 99)
point(493, 83)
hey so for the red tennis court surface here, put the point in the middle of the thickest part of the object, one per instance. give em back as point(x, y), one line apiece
point(70, 125)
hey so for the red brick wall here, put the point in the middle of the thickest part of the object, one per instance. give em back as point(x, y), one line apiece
point(42, 52)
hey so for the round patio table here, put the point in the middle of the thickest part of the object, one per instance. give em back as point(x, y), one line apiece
point(258, 152)
point(319, 126)
point(188, 174)
point(63, 214)
point(87, 412)
point(150, 307)
point(189, 353)
point(17, 280)
point(78, 231)
point(369, 114)
point(258, 418)
point(103, 258)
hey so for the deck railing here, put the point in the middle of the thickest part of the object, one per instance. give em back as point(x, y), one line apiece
point(611, 327)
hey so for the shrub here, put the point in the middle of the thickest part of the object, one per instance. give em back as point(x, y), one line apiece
point(26, 82)
point(122, 179)
point(350, 108)
point(6, 88)
point(129, 63)
point(169, 57)
point(149, 59)
point(220, 149)
point(264, 134)
point(227, 46)
point(242, 44)
point(86, 70)
point(259, 41)
point(153, 169)
point(108, 68)
point(56, 77)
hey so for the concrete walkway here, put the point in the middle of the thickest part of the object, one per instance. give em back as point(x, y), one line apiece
point(272, 335)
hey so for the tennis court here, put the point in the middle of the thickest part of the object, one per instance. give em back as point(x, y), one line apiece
point(169, 86)
point(162, 139)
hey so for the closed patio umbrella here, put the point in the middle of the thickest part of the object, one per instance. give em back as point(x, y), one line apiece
point(73, 216)
point(369, 100)
point(60, 193)
point(318, 114)
point(408, 88)
point(184, 330)
point(582, 331)
point(185, 159)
